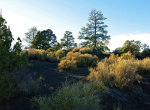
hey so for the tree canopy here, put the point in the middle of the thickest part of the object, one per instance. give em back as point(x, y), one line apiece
point(44, 39)
point(68, 40)
point(30, 35)
point(95, 33)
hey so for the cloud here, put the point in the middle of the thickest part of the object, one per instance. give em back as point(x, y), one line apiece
point(118, 40)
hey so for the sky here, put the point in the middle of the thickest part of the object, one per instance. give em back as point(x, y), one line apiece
point(126, 19)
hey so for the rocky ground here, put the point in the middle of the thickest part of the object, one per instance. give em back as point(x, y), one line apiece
point(52, 79)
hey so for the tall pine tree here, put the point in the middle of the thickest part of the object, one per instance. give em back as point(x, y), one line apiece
point(95, 33)
point(68, 40)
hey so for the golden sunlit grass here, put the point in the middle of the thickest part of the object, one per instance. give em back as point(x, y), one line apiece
point(119, 71)
point(86, 50)
point(74, 60)
point(40, 54)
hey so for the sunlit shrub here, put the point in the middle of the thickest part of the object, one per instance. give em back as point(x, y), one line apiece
point(60, 54)
point(79, 96)
point(86, 50)
point(77, 59)
point(127, 56)
point(144, 66)
point(76, 49)
point(42, 55)
point(117, 72)
point(36, 53)
point(67, 64)
point(86, 60)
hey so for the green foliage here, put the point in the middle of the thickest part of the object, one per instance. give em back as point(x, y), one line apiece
point(79, 96)
point(5, 44)
point(133, 46)
point(30, 35)
point(10, 59)
point(95, 34)
point(44, 40)
point(17, 47)
point(68, 40)
point(6, 87)
point(145, 53)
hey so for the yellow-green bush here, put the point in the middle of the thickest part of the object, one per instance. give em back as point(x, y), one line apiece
point(86, 50)
point(67, 64)
point(39, 54)
point(144, 66)
point(76, 49)
point(116, 71)
point(60, 54)
point(77, 59)
point(86, 60)
point(79, 96)
point(127, 56)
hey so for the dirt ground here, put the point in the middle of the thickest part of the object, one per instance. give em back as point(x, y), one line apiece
point(52, 79)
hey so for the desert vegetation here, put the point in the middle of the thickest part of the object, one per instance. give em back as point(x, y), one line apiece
point(65, 75)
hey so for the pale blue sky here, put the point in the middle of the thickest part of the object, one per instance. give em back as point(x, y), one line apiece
point(126, 19)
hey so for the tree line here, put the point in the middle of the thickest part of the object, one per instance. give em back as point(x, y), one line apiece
point(94, 35)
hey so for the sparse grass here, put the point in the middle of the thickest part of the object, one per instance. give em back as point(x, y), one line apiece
point(79, 96)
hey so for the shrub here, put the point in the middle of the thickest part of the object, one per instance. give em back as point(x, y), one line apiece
point(42, 55)
point(86, 60)
point(79, 96)
point(78, 60)
point(36, 54)
point(6, 87)
point(127, 56)
point(51, 57)
point(144, 66)
point(60, 54)
point(30, 86)
point(67, 64)
point(86, 50)
point(115, 71)
point(145, 53)
point(75, 50)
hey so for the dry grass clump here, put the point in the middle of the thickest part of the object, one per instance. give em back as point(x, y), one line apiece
point(74, 60)
point(79, 96)
point(39, 54)
point(116, 71)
